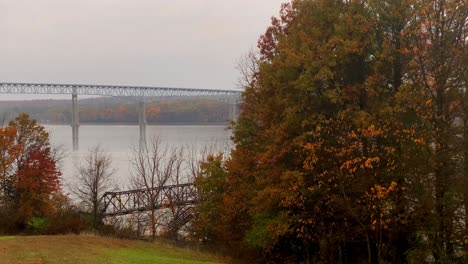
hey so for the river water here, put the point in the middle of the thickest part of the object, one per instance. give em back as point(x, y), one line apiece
point(120, 141)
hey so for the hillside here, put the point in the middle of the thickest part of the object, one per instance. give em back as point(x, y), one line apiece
point(119, 110)
point(91, 249)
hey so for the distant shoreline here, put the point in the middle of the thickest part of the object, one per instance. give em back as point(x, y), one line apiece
point(136, 124)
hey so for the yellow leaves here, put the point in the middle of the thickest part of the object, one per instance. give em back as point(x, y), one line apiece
point(291, 189)
point(312, 158)
point(312, 146)
point(381, 192)
point(353, 135)
point(351, 166)
point(379, 203)
point(412, 135)
point(429, 102)
point(369, 161)
point(371, 131)
point(405, 51)
point(9, 149)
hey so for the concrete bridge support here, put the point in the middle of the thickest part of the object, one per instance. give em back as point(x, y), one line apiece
point(142, 122)
point(233, 110)
point(75, 121)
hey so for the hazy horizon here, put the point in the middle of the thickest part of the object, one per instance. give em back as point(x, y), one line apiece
point(193, 44)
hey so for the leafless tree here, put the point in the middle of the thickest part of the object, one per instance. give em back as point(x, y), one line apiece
point(153, 165)
point(177, 213)
point(194, 156)
point(248, 68)
point(93, 179)
point(4, 119)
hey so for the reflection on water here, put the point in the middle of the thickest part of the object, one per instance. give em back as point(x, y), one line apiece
point(120, 141)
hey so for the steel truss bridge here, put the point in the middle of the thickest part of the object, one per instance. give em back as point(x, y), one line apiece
point(140, 93)
point(128, 202)
point(110, 90)
point(180, 199)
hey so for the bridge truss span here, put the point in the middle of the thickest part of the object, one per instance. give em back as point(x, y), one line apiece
point(127, 202)
point(140, 93)
point(111, 90)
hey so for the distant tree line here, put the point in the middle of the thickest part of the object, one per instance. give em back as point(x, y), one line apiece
point(112, 110)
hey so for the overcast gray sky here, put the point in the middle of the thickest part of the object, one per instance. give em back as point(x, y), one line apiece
point(176, 43)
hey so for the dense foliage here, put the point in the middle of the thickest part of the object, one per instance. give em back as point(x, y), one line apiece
point(30, 182)
point(352, 145)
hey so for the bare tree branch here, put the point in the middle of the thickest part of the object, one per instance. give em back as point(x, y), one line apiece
point(94, 178)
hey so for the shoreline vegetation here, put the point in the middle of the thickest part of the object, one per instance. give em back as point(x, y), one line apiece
point(136, 124)
point(37, 216)
point(120, 111)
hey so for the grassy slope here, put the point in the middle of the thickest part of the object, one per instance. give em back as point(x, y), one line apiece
point(90, 249)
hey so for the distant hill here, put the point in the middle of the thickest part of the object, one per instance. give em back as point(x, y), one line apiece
point(109, 110)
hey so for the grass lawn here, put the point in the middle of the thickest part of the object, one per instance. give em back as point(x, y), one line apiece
point(91, 249)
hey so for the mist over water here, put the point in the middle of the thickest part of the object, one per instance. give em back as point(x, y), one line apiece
point(120, 141)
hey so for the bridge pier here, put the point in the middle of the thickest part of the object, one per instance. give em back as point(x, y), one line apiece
point(75, 124)
point(233, 110)
point(142, 122)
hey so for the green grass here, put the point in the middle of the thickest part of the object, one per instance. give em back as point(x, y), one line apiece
point(149, 256)
point(92, 249)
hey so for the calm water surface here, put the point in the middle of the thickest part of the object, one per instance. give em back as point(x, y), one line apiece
point(120, 140)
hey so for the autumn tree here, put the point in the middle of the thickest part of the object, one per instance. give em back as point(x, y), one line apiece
point(38, 180)
point(32, 180)
point(31, 137)
point(93, 179)
point(314, 62)
point(9, 152)
point(438, 35)
point(210, 184)
point(348, 138)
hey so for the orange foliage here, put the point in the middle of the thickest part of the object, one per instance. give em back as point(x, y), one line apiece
point(38, 180)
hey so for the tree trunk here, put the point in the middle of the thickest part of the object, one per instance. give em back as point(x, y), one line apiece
point(465, 171)
point(153, 224)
